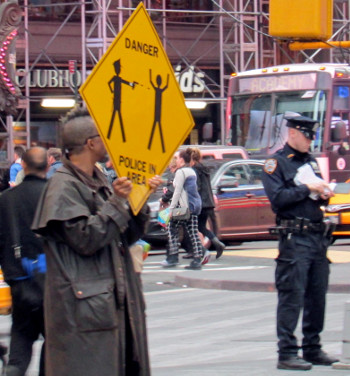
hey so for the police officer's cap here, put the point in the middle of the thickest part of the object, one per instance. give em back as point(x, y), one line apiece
point(303, 124)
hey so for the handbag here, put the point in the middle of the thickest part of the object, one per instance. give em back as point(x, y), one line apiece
point(181, 214)
point(29, 289)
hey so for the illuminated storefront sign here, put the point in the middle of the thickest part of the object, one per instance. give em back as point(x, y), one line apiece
point(44, 78)
point(190, 81)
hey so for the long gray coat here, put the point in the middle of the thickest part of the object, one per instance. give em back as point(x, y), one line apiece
point(94, 307)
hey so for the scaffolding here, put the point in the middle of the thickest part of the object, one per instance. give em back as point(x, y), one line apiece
point(234, 33)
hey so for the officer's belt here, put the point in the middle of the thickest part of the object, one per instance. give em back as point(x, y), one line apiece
point(302, 224)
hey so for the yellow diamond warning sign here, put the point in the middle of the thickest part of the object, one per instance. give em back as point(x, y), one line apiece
point(137, 105)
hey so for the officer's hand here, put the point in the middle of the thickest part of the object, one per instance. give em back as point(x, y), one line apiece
point(122, 187)
point(327, 194)
point(321, 188)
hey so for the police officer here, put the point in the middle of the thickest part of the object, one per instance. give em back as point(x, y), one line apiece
point(294, 186)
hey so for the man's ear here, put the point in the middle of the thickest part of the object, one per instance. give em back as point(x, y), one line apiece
point(89, 143)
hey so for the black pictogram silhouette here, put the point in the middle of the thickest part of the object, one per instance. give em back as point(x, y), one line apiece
point(157, 107)
point(116, 89)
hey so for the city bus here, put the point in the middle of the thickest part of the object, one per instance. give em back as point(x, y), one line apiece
point(258, 101)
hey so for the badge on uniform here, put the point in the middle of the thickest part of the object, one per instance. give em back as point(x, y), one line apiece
point(270, 165)
point(315, 167)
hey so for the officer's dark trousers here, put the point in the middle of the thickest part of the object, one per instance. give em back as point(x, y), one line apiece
point(301, 280)
point(27, 325)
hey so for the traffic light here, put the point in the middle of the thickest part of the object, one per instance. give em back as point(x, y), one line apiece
point(301, 19)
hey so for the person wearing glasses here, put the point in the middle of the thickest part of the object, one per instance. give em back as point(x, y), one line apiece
point(94, 306)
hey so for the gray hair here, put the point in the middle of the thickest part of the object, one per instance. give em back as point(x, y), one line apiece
point(78, 127)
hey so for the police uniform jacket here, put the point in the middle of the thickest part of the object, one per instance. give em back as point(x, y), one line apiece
point(289, 200)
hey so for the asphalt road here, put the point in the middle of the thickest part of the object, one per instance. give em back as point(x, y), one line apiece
point(197, 332)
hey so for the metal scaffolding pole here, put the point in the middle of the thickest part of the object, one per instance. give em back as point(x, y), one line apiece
point(238, 31)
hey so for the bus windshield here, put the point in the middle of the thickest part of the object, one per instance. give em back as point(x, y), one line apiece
point(251, 115)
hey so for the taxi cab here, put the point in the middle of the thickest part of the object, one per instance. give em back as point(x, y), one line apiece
point(5, 296)
point(338, 209)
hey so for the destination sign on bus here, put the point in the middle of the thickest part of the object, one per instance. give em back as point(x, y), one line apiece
point(281, 82)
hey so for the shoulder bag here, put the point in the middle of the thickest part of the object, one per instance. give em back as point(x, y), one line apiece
point(181, 214)
point(29, 289)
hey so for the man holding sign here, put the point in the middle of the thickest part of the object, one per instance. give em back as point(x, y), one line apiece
point(94, 307)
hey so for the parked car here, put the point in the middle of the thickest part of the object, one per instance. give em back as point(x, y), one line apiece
point(243, 211)
point(338, 209)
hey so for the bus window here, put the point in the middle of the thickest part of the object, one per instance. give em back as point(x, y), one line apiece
point(259, 130)
point(250, 119)
point(341, 107)
point(311, 103)
point(341, 98)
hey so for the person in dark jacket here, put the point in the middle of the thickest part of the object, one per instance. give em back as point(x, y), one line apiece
point(94, 306)
point(208, 204)
point(17, 207)
point(293, 184)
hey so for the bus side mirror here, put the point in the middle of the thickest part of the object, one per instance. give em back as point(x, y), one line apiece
point(338, 132)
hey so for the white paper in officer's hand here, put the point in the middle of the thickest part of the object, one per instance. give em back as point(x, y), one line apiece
point(306, 175)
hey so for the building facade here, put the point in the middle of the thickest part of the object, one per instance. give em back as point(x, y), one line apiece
point(205, 40)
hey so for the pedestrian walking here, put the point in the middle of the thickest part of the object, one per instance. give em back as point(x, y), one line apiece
point(294, 186)
point(164, 202)
point(94, 306)
point(23, 261)
point(208, 203)
point(185, 197)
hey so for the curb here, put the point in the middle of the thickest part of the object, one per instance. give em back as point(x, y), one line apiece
point(224, 284)
point(180, 281)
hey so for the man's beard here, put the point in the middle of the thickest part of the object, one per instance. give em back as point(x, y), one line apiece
point(104, 159)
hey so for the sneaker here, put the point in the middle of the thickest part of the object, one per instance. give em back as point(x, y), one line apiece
point(294, 363)
point(195, 264)
point(170, 261)
point(320, 358)
point(206, 257)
